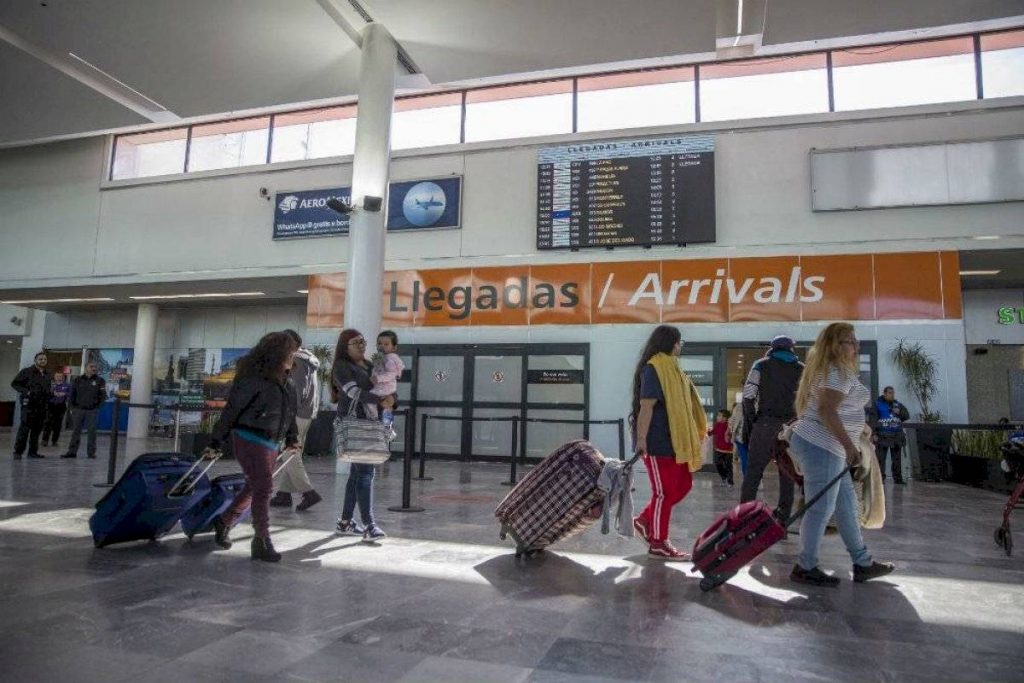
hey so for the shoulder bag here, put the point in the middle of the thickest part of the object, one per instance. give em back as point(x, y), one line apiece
point(359, 440)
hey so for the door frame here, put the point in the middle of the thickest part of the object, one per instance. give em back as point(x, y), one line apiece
point(468, 352)
point(719, 350)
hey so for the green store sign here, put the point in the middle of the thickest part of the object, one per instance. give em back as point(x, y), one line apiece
point(1009, 316)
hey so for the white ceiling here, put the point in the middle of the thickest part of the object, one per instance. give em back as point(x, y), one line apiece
point(211, 57)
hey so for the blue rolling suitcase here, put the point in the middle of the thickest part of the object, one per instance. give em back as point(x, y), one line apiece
point(149, 498)
point(198, 519)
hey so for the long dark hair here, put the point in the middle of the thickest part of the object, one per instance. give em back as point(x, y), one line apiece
point(267, 358)
point(341, 350)
point(662, 340)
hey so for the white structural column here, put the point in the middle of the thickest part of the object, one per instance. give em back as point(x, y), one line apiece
point(365, 277)
point(142, 369)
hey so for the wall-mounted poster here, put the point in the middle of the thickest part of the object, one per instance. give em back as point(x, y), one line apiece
point(191, 378)
point(425, 204)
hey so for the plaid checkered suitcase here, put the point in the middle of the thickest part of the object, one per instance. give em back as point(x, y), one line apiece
point(557, 499)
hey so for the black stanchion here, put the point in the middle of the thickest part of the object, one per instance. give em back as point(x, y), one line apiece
point(410, 442)
point(512, 480)
point(112, 460)
point(622, 439)
point(423, 450)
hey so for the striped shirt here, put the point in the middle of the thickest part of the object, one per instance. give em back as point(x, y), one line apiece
point(811, 427)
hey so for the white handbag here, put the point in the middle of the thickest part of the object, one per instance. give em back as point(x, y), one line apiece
point(361, 441)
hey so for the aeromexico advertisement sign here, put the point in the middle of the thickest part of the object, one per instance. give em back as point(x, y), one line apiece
point(899, 286)
point(431, 204)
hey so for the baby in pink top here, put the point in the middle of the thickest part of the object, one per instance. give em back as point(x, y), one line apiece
point(387, 370)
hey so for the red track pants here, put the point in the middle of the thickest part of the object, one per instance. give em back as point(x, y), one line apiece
point(670, 482)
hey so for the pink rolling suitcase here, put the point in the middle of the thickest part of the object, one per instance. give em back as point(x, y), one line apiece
point(557, 499)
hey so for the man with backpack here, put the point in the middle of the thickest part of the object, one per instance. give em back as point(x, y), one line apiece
point(768, 397)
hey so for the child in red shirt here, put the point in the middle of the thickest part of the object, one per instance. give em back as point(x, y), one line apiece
point(723, 446)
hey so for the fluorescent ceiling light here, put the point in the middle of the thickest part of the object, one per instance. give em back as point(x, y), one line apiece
point(208, 295)
point(980, 272)
point(56, 301)
point(987, 237)
point(302, 291)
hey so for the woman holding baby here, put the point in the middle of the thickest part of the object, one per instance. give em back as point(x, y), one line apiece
point(352, 379)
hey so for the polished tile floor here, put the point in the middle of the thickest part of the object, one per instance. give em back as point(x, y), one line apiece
point(444, 600)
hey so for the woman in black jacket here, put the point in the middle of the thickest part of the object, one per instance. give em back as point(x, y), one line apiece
point(260, 414)
point(351, 382)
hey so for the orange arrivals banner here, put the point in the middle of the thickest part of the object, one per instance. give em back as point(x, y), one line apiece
point(898, 286)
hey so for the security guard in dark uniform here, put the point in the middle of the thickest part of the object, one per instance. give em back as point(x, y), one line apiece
point(33, 385)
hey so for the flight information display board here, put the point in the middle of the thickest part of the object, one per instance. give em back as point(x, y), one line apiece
point(626, 193)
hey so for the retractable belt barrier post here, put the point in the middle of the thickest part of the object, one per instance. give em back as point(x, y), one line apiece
point(112, 460)
point(410, 441)
point(423, 449)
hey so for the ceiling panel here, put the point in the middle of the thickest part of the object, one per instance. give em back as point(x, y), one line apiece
point(454, 40)
point(38, 101)
point(198, 57)
point(794, 21)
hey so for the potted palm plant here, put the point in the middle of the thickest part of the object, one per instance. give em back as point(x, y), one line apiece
point(928, 446)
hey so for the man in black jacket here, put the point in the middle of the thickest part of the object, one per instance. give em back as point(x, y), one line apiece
point(88, 392)
point(886, 417)
point(33, 386)
point(768, 398)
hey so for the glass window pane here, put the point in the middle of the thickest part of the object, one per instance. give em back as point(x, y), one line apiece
point(229, 144)
point(778, 86)
point(426, 121)
point(519, 111)
point(630, 100)
point(542, 438)
point(904, 75)
point(1002, 64)
point(314, 134)
point(143, 155)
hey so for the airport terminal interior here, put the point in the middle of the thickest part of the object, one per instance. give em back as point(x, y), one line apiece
point(613, 246)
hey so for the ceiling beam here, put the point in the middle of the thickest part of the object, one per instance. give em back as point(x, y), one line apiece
point(92, 77)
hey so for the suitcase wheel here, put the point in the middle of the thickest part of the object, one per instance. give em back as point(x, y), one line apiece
point(189, 537)
point(713, 581)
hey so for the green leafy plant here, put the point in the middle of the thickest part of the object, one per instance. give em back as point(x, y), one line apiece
point(919, 372)
point(979, 443)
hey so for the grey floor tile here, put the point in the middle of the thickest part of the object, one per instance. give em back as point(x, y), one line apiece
point(572, 655)
point(435, 669)
point(258, 652)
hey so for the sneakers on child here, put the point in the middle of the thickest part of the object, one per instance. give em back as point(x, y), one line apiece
point(348, 527)
point(642, 530)
point(664, 550)
point(374, 533)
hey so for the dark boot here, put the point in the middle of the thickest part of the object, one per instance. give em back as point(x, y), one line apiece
point(309, 499)
point(263, 549)
point(220, 533)
point(281, 500)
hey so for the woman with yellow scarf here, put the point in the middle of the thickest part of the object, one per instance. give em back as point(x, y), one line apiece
point(668, 424)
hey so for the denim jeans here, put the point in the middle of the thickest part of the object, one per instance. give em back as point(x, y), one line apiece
point(819, 468)
point(359, 489)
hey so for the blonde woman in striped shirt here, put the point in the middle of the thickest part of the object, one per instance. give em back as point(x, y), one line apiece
point(830, 406)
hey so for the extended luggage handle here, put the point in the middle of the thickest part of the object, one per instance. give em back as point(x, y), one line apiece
point(284, 461)
point(816, 497)
point(210, 459)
